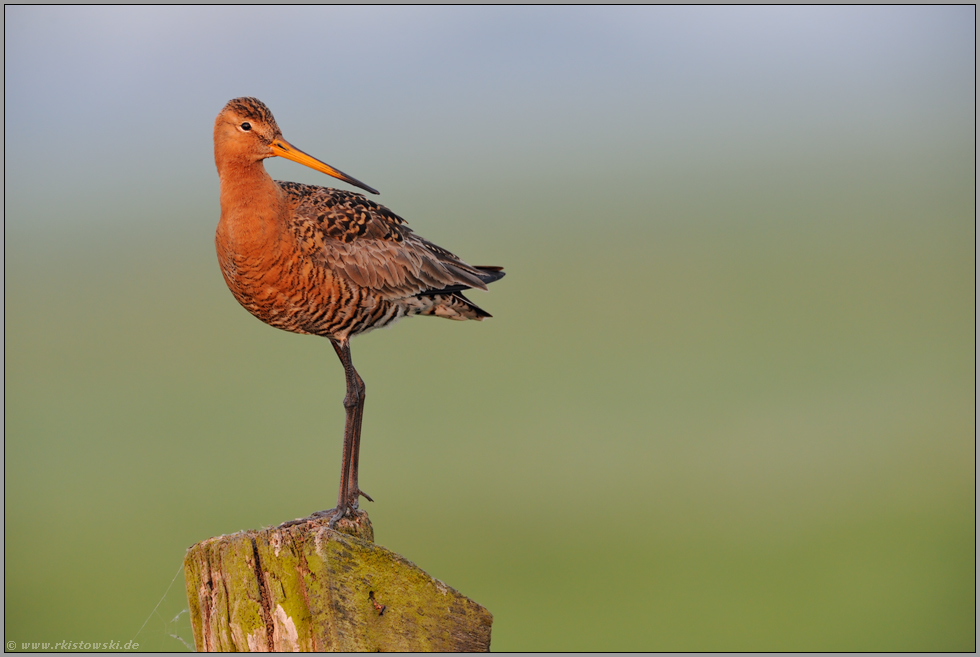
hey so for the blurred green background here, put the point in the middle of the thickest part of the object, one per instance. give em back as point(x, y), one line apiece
point(726, 401)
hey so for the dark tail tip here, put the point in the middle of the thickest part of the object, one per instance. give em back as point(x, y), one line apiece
point(491, 274)
point(469, 305)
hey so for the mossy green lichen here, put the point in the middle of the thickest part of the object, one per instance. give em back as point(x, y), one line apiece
point(304, 586)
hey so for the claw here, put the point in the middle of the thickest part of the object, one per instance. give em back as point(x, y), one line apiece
point(337, 516)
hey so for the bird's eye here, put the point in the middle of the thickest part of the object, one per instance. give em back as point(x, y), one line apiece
point(246, 126)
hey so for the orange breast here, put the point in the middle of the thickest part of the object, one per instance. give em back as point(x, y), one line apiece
point(277, 282)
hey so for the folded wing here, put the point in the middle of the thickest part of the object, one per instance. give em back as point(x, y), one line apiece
point(375, 248)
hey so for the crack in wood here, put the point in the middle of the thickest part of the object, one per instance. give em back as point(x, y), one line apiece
point(265, 601)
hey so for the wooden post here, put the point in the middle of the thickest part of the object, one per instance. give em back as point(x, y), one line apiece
point(303, 587)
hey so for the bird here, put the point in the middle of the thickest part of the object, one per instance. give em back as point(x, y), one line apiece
point(328, 262)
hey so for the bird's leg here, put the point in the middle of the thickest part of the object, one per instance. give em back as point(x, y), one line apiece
point(352, 487)
point(354, 404)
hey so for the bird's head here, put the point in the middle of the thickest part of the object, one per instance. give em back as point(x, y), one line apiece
point(245, 131)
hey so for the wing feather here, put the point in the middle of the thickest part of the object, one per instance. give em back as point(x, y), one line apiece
point(373, 247)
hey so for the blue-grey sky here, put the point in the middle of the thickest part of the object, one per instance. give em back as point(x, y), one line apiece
point(539, 100)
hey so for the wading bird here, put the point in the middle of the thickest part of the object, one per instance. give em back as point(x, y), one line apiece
point(323, 261)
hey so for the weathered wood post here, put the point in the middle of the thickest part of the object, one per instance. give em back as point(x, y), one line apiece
point(303, 587)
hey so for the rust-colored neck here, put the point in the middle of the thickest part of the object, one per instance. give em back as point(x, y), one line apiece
point(252, 205)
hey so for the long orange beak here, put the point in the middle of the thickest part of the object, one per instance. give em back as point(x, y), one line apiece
point(283, 148)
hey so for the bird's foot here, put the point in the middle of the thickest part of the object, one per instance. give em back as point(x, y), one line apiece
point(343, 510)
point(336, 514)
point(328, 513)
point(323, 514)
point(340, 513)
